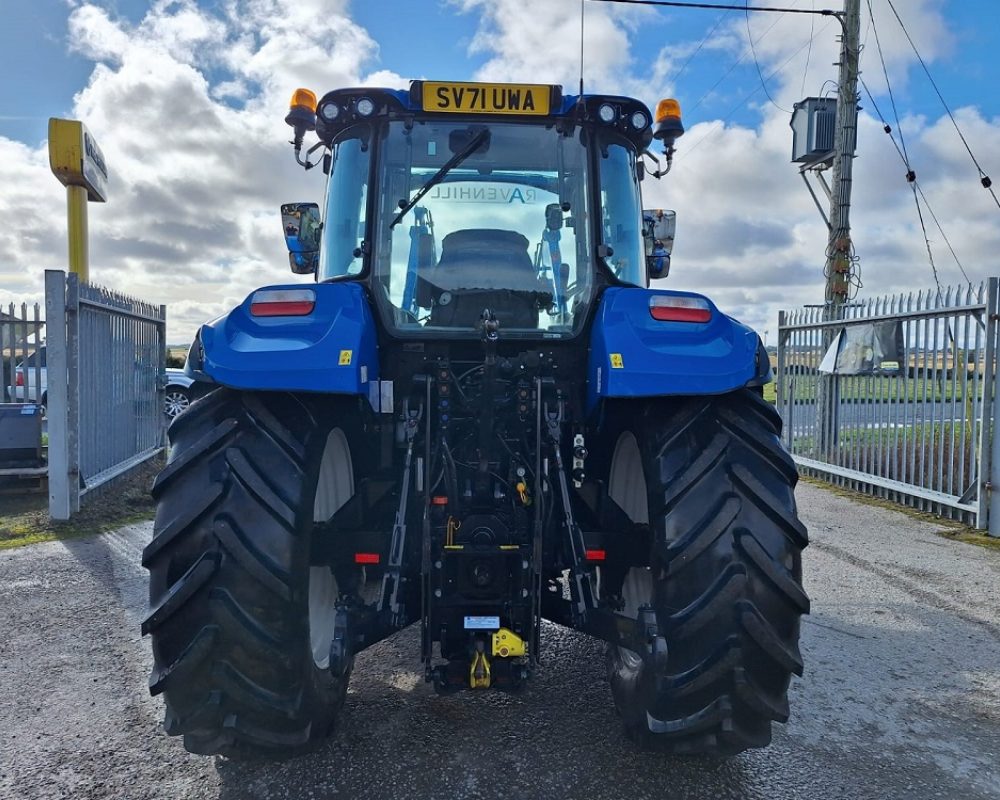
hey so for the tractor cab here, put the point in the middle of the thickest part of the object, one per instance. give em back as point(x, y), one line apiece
point(452, 198)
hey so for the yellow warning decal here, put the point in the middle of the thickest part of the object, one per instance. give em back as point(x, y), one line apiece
point(345, 357)
point(616, 361)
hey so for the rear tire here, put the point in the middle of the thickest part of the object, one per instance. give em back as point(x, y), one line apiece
point(233, 599)
point(710, 476)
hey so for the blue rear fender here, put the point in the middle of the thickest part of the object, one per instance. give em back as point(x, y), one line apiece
point(333, 349)
point(634, 355)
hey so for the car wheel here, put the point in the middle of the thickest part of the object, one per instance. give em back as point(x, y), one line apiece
point(176, 400)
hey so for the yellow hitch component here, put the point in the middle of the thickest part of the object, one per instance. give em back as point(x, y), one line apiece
point(508, 644)
point(522, 491)
point(479, 671)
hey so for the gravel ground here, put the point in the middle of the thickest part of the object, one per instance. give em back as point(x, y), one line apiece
point(901, 697)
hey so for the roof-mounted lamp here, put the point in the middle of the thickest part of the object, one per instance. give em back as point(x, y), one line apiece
point(667, 128)
point(301, 117)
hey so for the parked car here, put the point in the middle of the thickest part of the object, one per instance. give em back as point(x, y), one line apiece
point(26, 375)
point(179, 393)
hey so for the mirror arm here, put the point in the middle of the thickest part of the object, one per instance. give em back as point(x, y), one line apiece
point(306, 163)
point(668, 155)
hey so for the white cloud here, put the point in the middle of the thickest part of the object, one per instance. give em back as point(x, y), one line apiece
point(547, 49)
point(188, 105)
point(748, 233)
point(195, 181)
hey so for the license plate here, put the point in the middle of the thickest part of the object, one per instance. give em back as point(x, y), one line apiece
point(482, 623)
point(486, 98)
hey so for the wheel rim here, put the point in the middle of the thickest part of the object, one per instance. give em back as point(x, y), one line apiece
point(174, 403)
point(627, 481)
point(334, 487)
point(627, 487)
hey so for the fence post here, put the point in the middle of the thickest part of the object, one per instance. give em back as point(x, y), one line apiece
point(161, 392)
point(779, 378)
point(991, 418)
point(60, 504)
point(73, 386)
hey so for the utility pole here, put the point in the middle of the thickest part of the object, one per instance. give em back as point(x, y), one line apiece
point(839, 249)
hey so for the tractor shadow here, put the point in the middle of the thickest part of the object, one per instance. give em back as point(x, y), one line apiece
point(858, 730)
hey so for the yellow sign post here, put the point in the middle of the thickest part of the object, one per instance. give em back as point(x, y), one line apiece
point(78, 163)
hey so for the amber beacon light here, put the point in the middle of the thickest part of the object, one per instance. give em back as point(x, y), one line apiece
point(667, 125)
point(301, 116)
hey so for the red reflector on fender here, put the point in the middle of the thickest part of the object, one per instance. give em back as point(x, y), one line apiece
point(670, 308)
point(366, 558)
point(282, 302)
point(299, 309)
point(595, 555)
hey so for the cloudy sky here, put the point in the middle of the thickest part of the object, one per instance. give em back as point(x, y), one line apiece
point(187, 99)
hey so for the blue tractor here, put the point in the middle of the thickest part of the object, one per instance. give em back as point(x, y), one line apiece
point(479, 418)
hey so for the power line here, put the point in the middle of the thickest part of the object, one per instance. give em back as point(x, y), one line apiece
point(812, 32)
point(743, 102)
point(915, 183)
point(680, 70)
point(732, 66)
point(984, 179)
point(885, 71)
point(911, 176)
point(927, 241)
point(722, 7)
point(760, 74)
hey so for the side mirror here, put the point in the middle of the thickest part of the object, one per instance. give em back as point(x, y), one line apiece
point(658, 227)
point(553, 216)
point(303, 263)
point(302, 228)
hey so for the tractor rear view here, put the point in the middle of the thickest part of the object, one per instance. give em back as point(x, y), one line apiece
point(478, 418)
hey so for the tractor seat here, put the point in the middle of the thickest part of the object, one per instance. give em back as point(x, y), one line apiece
point(483, 268)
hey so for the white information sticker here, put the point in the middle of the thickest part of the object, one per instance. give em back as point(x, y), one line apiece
point(482, 623)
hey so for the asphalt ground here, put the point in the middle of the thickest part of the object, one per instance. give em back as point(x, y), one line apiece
point(901, 696)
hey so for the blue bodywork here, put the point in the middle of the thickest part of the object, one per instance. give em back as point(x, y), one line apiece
point(634, 355)
point(334, 349)
point(631, 354)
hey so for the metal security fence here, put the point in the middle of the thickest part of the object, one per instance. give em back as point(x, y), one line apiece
point(106, 359)
point(21, 345)
point(22, 382)
point(896, 398)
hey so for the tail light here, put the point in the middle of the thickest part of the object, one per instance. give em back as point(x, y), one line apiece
point(19, 380)
point(671, 308)
point(282, 302)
